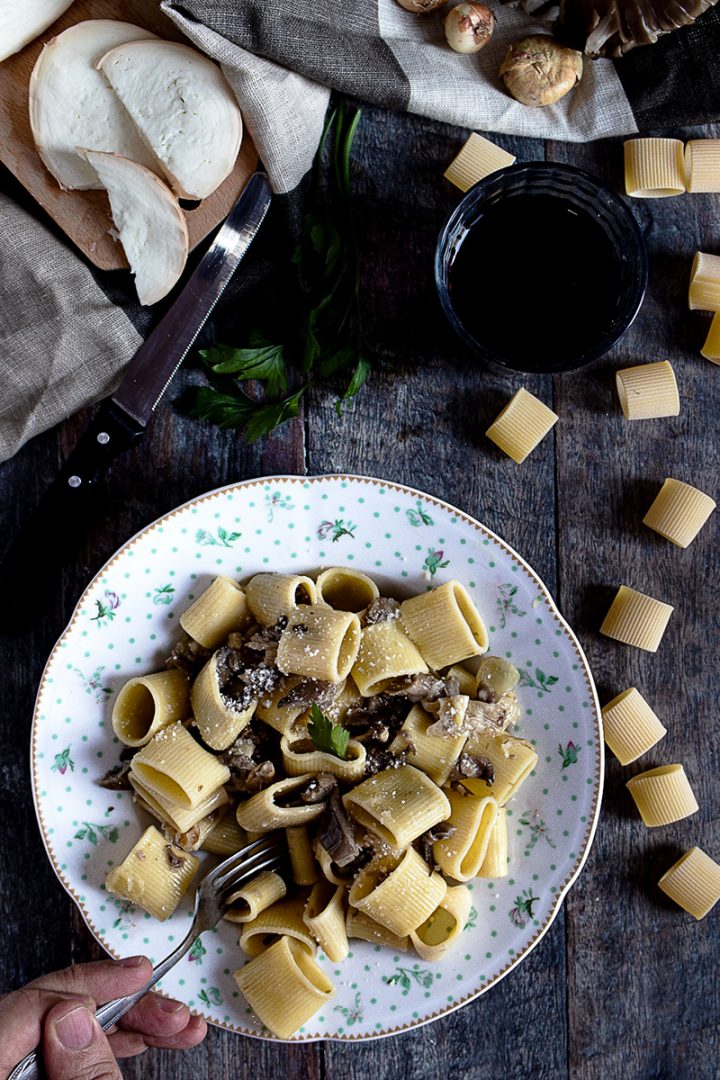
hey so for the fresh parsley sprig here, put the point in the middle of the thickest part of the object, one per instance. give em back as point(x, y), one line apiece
point(326, 736)
point(327, 341)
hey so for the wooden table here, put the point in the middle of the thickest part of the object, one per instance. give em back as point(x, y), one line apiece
point(624, 984)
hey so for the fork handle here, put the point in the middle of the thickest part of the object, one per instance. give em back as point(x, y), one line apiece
point(31, 1067)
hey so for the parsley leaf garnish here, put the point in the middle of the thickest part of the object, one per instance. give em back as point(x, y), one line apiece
point(332, 738)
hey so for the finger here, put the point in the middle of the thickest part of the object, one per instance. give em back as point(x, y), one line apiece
point(128, 1043)
point(103, 980)
point(21, 1019)
point(75, 1047)
point(154, 1015)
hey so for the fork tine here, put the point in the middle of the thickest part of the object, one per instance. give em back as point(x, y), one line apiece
point(242, 876)
point(239, 857)
point(247, 866)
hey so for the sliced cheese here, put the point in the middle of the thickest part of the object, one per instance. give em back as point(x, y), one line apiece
point(23, 20)
point(184, 109)
point(150, 223)
point(71, 104)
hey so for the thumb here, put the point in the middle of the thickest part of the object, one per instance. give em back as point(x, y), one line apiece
point(75, 1047)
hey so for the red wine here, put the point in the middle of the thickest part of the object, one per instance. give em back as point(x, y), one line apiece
point(536, 281)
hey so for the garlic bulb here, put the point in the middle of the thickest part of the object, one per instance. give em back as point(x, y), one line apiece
point(421, 7)
point(538, 71)
point(469, 27)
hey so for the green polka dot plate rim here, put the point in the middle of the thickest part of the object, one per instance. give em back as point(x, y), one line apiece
point(125, 623)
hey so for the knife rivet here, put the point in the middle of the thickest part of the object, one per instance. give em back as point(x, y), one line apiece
point(74, 482)
point(103, 438)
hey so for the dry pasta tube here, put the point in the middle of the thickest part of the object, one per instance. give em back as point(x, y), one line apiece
point(711, 348)
point(704, 292)
point(441, 930)
point(149, 703)
point(648, 391)
point(325, 919)
point(679, 512)
point(346, 590)
point(461, 855)
point(283, 917)
point(296, 762)
point(319, 643)
point(155, 875)
point(284, 987)
point(271, 595)
point(398, 805)
point(175, 767)
point(521, 425)
point(513, 760)
point(386, 653)
point(172, 814)
point(227, 837)
point(636, 619)
point(445, 625)
point(693, 882)
point(359, 925)
point(261, 813)
point(702, 165)
point(245, 904)
point(663, 795)
point(398, 893)
point(302, 861)
point(218, 722)
point(217, 611)
point(654, 168)
point(631, 727)
point(495, 863)
point(477, 159)
point(432, 755)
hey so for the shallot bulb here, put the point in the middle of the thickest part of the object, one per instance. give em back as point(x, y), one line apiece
point(538, 71)
point(421, 7)
point(469, 27)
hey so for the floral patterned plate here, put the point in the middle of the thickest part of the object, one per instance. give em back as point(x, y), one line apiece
point(123, 625)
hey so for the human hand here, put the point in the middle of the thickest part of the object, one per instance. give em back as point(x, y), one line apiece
point(56, 1013)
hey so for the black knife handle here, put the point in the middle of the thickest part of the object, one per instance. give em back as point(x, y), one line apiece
point(111, 432)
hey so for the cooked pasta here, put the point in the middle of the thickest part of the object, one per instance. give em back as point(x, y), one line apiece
point(154, 875)
point(219, 610)
point(693, 882)
point(345, 589)
point(521, 425)
point(284, 917)
point(398, 805)
point(298, 759)
point(663, 795)
point(461, 854)
point(245, 904)
point(495, 863)
point(324, 917)
point(445, 625)
point(434, 938)
point(148, 703)
point(711, 348)
point(631, 727)
point(477, 159)
point(271, 596)
point(303, 865)
point(284, 986)
point(399, 894)
point(262, 813)
point(173, 766)
point(636, 619)
point(704, 292)
point(512, 760)
point(170, 812)
point(431, 755)
point(319, 643)
point(702, 165)
point(386, 653)
point(679, 512)
point(226, 837)
point(654, 168)
point(219, 721)
point(648, 391)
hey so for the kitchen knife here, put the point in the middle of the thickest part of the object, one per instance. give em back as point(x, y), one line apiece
point(122, 418)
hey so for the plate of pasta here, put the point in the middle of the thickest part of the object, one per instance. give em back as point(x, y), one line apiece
point(358, 665)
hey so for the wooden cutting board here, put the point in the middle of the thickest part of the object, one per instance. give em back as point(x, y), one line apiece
point(85, 215)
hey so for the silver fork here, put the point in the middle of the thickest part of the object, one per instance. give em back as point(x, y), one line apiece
point(267, 853)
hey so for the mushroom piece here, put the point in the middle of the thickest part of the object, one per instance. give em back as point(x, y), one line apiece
point(337, 833)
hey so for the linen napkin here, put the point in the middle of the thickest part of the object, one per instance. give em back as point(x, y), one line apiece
point(66, 332)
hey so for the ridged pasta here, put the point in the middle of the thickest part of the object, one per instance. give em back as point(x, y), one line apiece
point(679, 512)
point(284, 917)
point(302, 861)
point(174, 766)
point(261, 814)
point(345, 589)
point(284, 987)
point(280, 717)
point(648, 391)
point(296, 762)
point(148, 703)
point(636, 619)
point(521, 425)
point(359, 925)
point(495, 863)
point(217, 612)
point(461, 854)
point(270, 596)
point(319, 643)
point(445, 625)
point(227, 837)
point(702, 165)
point(513, 760)
point(704, 292)
point(663, 795)
point(155, 875)
point(386, 653)
point(432, 755)
point(218, 722)
point(245, 904)
point(324, 917)
point(711, 348)
point(693, 882)
point(436, 936)
point(631, 727)
point(398, 805)
point(477, 159)
point(654, 168)
point(171, 813)
point(398, 893)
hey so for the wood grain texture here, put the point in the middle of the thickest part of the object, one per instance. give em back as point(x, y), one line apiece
point(624, 984)
point(85, 215)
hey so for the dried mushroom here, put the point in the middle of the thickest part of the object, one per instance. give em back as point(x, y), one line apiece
point(538, 70)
